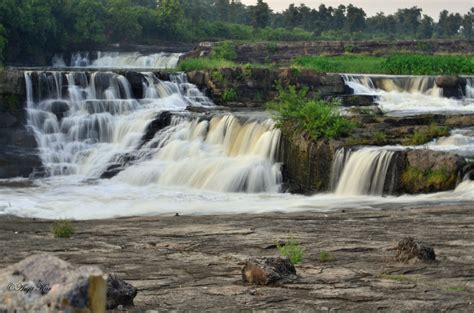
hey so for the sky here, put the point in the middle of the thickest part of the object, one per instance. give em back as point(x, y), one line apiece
point(430, 7)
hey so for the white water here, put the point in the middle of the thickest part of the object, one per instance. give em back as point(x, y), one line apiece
point(365, 172)
point(116, 60)
point(407, 95)
point(194, 166)
point(70, 197)
point(101, 120)
point(222, 154)
point(470, 88)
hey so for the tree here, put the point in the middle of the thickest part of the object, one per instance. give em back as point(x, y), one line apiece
point(468, 25)
point(122, 21)
point(426, 28)
point(291, 16)
point(408, 20)
point(170, 14)
point(222, 8)
point(261, 14)
point(3, 43)
point(355, 21)
point(88, 21)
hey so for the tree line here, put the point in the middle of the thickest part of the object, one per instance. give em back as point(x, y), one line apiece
point(30, 27)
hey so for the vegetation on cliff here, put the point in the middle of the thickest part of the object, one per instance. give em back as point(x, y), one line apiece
point(398, 64)
point(314, 117)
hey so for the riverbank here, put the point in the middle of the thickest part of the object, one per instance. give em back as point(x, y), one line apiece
point(193, 262)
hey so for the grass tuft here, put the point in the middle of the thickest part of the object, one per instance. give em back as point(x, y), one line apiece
point(62, 229)
point(292, 250)
point(325, 256)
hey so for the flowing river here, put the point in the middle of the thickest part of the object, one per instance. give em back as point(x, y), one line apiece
point(100, 161)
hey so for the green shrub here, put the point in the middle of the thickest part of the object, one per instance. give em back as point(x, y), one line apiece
point(224, 51)
point(325, 256)
point(195, 64)
point(229, 95)
point(62, 229)
point(217, 76)
point(292, 250)
point(315, 117)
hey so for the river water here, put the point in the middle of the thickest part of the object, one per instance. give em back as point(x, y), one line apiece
point(226, 163)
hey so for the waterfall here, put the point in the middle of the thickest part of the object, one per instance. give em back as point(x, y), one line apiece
point(366, 172)
point(81, 120)
point(469, 88)
point(365, 84)
point(407, 95)
point(340, 160)
point(137, 60)
point(87, 122)
point(221, 154)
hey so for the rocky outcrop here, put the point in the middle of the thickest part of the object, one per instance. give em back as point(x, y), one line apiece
point(253, 87)
point(431, 171)
point(284, 52)
point(18, 148)
point(453, 86)
point(306, 164)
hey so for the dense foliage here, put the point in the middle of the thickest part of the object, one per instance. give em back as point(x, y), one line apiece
point(47, 26)
point(314, 117)
point(397, 64)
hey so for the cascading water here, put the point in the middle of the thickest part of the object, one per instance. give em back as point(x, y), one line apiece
point(366, 172)
point(82, 120)
point(222, 154)
point(136, 60)
point(340, 160)
point(469, 88)
point(407, 95)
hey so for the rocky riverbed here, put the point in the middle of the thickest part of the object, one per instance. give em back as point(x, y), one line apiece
point(194, 263)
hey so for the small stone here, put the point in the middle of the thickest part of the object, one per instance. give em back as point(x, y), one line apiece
point(268, 270)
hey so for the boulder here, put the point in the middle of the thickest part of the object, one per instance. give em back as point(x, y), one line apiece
point(48, 284)
point(161, 121)
point(450, 81)
point(409, 249)
point(268, 271)
point(428, 160)
point(197, 78)
point(59, 108)
point(119, 292)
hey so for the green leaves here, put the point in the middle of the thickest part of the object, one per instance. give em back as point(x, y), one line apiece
point(314, 117)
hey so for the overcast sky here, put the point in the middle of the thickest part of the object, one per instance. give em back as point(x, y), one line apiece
point(430, 7)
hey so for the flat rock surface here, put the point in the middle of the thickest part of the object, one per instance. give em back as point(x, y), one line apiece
point(194, 263)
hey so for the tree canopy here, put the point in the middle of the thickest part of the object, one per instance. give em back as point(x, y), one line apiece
point(28, 27)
